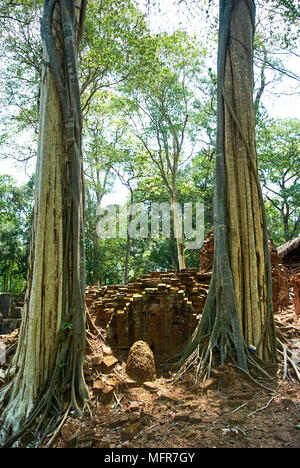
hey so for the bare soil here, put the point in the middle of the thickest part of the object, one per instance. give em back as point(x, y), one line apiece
point(227, 411)
point(179, 417)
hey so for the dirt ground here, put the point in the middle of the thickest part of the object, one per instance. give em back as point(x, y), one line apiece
point(227, 411)
point(176, 416)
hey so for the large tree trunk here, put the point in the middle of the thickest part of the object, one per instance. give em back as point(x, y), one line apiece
point(49, 359)
point(238, 312)
point(245, 210)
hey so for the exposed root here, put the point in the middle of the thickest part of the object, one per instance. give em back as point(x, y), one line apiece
point(45, 420)
point(91, 328)
point(202, 357)
point(47, 416)
point(44, 414)
point(59, 425)
point(288, 362)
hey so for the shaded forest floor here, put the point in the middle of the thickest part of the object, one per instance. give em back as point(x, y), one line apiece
point(229, 410)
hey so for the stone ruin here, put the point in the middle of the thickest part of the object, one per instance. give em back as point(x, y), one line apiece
point(290, 257)
point(162, 308)
point(280, 274)
point(296, 285)
point(280, 280)
point(11, 307)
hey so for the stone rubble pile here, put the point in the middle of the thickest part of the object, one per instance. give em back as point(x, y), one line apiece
point(10, 312)
point(160, 308)
point(280, 280)
point(280, 274)
point(296, 285)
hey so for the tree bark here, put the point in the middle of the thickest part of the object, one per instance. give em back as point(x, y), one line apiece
point(49, 359)
point(238, 312)
point(178, 232)
point(246, 225)
point(128, 241)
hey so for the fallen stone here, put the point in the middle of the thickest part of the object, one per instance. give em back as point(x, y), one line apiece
point(107, 364)
point(111, 382)
point(182, 416)
point(168, 397)
point(189, 404)
point(150, 386)
point(106, 395)
point(127, 384)
point(208, 384)
point(195, 418)
point(134, 406)
point(130, 431)
point(96, 360)
point(98, 386)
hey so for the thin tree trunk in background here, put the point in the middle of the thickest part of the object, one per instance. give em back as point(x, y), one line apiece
point(286, 218)
point(127, 255)
point(177, 220)
point(5, 278)
point(173, 249)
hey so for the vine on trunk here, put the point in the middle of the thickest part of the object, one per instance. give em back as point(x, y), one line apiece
point(65, 390)
point(219, 339)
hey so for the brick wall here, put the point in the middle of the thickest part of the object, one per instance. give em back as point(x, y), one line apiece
point(10, 312)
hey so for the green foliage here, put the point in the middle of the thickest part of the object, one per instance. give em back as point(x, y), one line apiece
point(103, 132)
point(20, 68)
point(110, 51)
point(161, 105)
point(278, 146)
point(143, 95)
point(15, 221)
point(290, 9)
point(112, 45)
point(109, 267)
